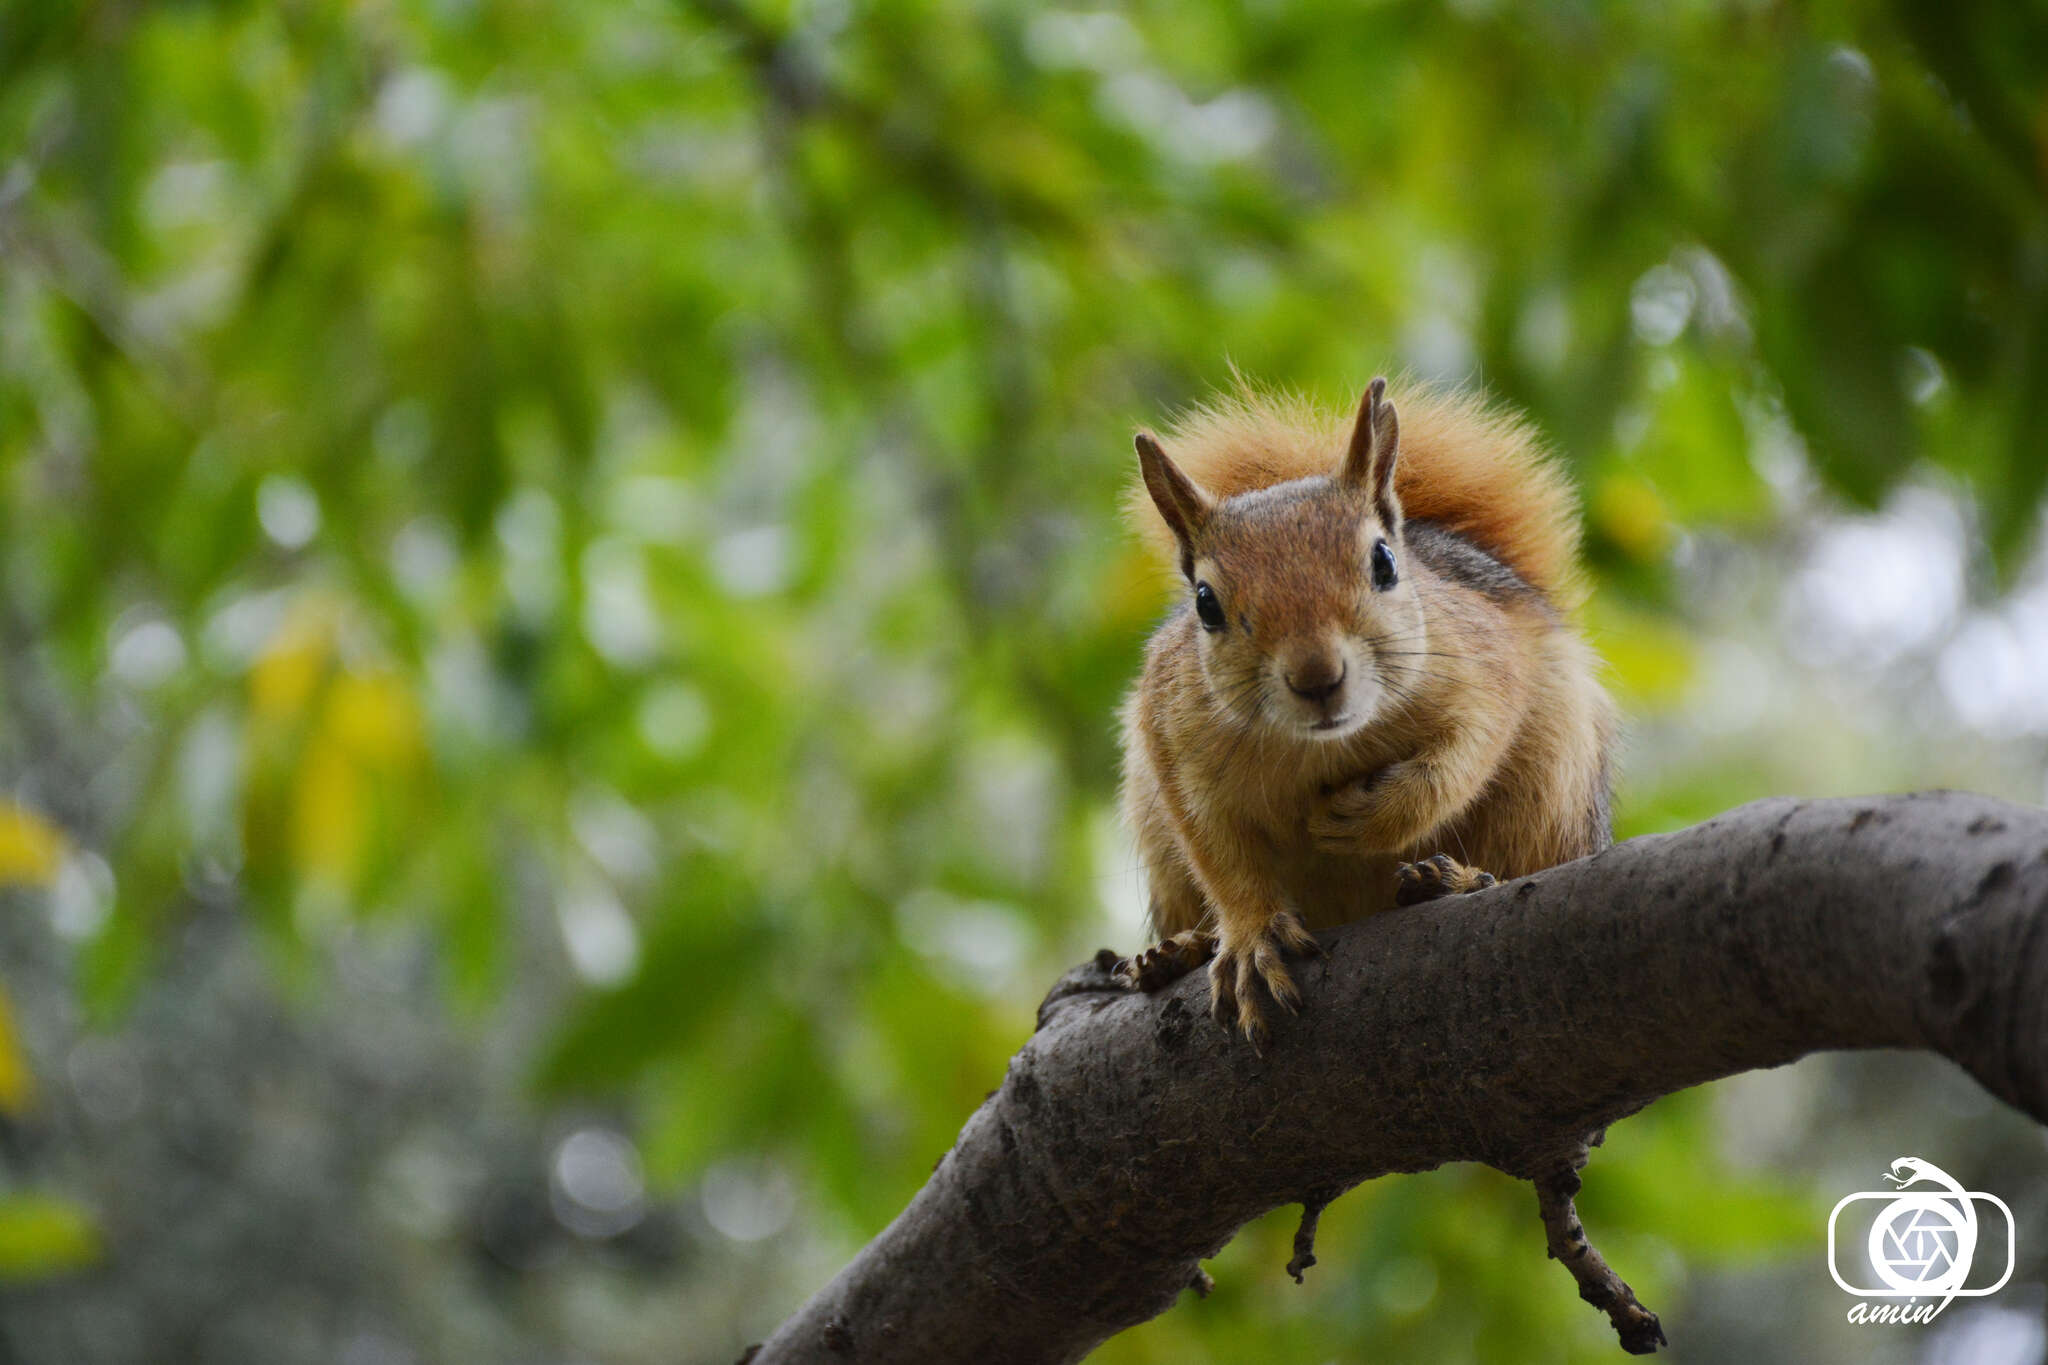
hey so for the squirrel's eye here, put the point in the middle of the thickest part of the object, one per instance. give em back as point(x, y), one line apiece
point(1383, 573)
point(1207, 607)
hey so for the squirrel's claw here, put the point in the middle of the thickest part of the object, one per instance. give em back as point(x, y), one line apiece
point(1252, 966)
point(1434, 877)
point(1168, 960)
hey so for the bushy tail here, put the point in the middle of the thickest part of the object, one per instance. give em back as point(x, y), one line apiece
point(1474, 471)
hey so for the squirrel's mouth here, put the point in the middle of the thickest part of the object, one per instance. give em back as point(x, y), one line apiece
point(1349, 721)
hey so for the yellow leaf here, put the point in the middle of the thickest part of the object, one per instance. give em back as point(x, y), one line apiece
point(17, 1082)
point(354, 771)
point(285, 675)
point(1630, 512)
point(336, 745)
point(330, 812)
point(31, 848)
point(375, 718)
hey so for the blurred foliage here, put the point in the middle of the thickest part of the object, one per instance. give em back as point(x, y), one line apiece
point(42, 1234)
point(30, 848)
point(648, 470)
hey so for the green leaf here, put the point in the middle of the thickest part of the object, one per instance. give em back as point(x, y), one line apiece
point(43, 1236)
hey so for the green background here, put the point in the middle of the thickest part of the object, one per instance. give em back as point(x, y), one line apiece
point(561, 608)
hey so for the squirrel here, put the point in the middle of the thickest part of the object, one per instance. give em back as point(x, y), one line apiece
point(1373, 667)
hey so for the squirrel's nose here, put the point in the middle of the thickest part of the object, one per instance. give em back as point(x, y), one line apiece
point(1317, 680)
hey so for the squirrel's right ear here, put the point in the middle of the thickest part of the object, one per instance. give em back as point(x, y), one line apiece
point(1375, 445)
point(1184, 505)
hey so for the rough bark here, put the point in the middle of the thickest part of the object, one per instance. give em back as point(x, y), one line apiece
point(1132, 1138)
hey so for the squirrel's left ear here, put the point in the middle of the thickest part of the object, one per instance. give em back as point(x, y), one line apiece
point(1375, 445)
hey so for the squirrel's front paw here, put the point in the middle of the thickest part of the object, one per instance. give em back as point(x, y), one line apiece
point(1248, 965)
point(1352, 814)
point(1434, 877)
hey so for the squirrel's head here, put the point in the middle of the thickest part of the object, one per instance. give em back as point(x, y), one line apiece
point(1305, 613)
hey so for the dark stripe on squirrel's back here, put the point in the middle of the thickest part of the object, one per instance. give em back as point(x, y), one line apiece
point(1458, 559)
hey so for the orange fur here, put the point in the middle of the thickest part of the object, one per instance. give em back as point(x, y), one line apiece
point(1479, 472)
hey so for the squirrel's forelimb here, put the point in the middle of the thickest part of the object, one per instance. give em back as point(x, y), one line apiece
point(1250, 964)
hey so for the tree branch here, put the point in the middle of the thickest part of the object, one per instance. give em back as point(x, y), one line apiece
point(1131, 1138)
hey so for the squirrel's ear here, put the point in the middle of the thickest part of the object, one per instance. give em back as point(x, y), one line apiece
point(1375, 445)
point(1185, 506)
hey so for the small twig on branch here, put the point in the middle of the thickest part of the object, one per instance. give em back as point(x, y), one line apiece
point(1305, 1235)
point(1640, 1332)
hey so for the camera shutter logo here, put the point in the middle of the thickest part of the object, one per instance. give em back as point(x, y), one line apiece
point(1922, 1244)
